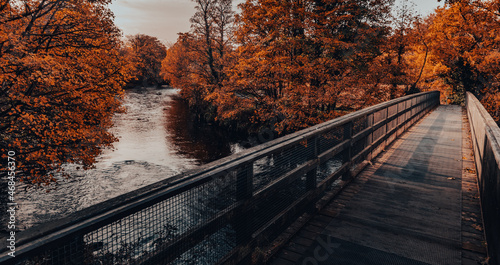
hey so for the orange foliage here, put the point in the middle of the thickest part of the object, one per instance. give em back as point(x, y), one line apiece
point(297, 63)
point(185, 68)
point(146, 54)
point(464, 52)
point(197, 62)
point(302, 62)
point(61, 77)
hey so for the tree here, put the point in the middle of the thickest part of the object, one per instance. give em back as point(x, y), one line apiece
point(302, 62)
point(61, 78)
point(183, 69)
point(211, 30)
point(197, 62)
point(463, 51)
point(147, 53)
point(402, 69)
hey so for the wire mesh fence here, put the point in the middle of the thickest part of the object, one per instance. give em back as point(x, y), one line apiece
point(221, 211)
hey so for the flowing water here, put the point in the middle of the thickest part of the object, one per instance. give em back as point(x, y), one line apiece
point(157, 140)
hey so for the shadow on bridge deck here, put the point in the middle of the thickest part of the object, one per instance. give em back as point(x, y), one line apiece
point(417, 204)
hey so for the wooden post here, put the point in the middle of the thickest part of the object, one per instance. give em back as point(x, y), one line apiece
point(369, 138)
point(386, 125)
point(311, 175)
point(244, 191)
point(398, 131)
point(75, 254)
point(244, 182)
point(348, 152)
point(407, 114)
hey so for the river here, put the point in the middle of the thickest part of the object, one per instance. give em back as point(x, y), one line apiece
point(157, 140)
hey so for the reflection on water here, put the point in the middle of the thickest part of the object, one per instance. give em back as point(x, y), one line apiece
point(203, 142)
point(157, 140)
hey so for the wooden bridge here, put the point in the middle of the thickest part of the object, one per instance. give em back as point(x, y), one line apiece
point(407, 181)
point(416, 204)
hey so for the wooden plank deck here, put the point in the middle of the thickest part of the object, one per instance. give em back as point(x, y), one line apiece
point(417, 204)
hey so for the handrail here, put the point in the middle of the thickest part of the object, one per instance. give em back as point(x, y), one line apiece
point(486, 143)
point(248, 194)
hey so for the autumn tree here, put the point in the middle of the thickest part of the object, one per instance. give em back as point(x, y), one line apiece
point(183, 69)
point(302, 62)
point(197, 62)
point(463, 47)
point(399, 71)
point(61, 78)
point(146, 53)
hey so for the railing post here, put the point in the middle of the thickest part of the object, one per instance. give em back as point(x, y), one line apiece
point(386, 126)
point(369, 139)
point(348, 151)
point(398, 131)
point(76, 253)
point(244, 182)
point(244, 191)
point(79, 248)
point(311, 175)
point(407, 114)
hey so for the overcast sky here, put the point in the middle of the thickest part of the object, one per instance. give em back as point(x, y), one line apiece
point(165, 18)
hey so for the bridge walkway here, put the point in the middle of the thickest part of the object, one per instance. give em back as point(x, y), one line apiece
point(416, 204)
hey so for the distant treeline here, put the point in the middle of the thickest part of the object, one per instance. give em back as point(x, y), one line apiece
point(296, 63)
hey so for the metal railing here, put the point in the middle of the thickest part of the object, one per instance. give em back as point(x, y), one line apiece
point(222, 211)
point(486, 143)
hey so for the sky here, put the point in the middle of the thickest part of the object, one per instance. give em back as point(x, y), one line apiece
point(165, 18)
